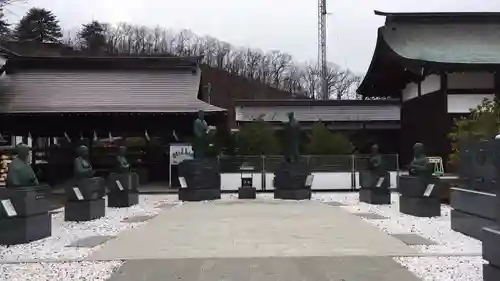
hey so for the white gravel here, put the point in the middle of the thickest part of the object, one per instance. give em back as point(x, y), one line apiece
point(82, 271)
point(64, 233)
point(451, 245)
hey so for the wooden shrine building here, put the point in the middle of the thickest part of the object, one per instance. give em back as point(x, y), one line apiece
point(64, 101)
point(439, 65)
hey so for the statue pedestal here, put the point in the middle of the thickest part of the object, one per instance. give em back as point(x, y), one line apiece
point(24, 215)
point(374, 188)
point(123, 190)
point(472, 210)
point(491, 253)
point(245, 192)
point(419, 196)
point(291, 181)
point(84, 200)
point(202, 177)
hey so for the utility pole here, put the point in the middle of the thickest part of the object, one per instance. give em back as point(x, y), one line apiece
point(322, 67)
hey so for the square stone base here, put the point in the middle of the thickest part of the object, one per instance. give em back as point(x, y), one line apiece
point(491, 241)
point(491, 273)
point(21, 230)
point(375, 196)
point(84, 210)
point(468, 224)
point(195, 195)
point(293, 194)
point(247, 193)
point(420, 207)
point(122, 199)
point(481, 204)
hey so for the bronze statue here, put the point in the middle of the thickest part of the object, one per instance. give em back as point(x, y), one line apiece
point(82, 167)
point(420, 165)
point(20, 173)
point(123, 166)
point(375, 161)
point(292, 137)
point(201, 140)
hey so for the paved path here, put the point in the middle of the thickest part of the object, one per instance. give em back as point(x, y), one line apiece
point(256, 240)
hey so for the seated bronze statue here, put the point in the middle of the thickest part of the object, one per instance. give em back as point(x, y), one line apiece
point(82, 167)
point(123, 166)
point(20, 173)
point(420, 165)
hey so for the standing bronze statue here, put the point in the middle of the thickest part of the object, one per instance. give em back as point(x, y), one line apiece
point(420, 165)
point(82, 167)
point(123, 166)
point(20, 173)
point(292, 138)
point(375, 161)
point(201, 130)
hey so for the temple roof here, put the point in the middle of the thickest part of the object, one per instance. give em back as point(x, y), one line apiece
point(430, 42)
point(95, 85)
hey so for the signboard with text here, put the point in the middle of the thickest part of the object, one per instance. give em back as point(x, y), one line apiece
point(180, 152)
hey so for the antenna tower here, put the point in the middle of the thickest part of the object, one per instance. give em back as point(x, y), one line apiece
point(322, 67)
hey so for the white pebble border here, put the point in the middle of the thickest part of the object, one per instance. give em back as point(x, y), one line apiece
point(64, 233)
point(450, 265)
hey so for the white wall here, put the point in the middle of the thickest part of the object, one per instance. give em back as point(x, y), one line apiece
point(463, 103)
point(410, 91)
point(431, 83)
point(471, 80)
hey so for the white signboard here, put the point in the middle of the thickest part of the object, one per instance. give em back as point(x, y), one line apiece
point(182, 181)
point(428, 190)
point(120, 186)
point(78, 193)
point(380, 182)
point(180, 152)
point(9, 208)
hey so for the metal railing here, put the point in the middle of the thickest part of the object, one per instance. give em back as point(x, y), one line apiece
point(349, 164)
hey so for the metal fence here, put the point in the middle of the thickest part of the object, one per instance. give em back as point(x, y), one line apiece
point(349, 164)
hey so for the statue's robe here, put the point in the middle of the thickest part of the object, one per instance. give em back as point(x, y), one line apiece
point(20, 174)
point(122, 166)
point(83, 169)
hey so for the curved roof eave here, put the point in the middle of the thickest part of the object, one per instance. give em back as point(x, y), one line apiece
point(370, 70)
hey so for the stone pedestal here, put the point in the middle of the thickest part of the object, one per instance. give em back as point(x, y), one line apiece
point(24, 215)
point(374, 188)
point(491, 253)
point(84, 200)
point(472, 210)
point(419, 196)
point(290, 181)
point(247, 192)
point(202, 178)
point(84, 210)
point(123, 190)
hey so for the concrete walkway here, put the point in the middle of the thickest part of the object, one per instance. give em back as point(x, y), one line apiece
point(256, 240)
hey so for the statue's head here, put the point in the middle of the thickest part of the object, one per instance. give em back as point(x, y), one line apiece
point(122, 150)
point(291, 116)
point(374, 149)
point(82, 151)
point(201, 115)
point(22, 151)
point(418, 149)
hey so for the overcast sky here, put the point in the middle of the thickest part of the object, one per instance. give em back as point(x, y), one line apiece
point(286, 25)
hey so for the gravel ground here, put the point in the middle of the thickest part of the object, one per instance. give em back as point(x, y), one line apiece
point(64, 233)
point(457, 268)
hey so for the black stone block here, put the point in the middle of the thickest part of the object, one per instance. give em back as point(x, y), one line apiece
point(291, 176)
point(476, 203)
point(410, 186)
point(201, 173)
point(90, 189)
point(247, 193)
point(468, 224)
point(491, 273)
point(375, 196)
point(420, 207)
point(27, 201)
point(84, 210)
point(128, 181)
point(21, 230)
point(369, 179)
point(293, 194)
point(490, 236)
point(123, 199)
point(195, 195)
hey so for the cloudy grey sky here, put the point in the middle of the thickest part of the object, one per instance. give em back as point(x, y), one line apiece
point(287, 25)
